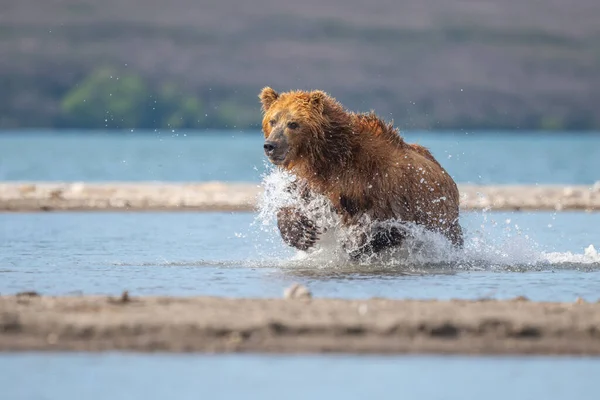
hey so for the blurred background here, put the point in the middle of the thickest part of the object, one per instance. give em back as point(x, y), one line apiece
point(193, 64)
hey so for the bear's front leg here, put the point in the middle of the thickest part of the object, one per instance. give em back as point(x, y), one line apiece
point(296, 229)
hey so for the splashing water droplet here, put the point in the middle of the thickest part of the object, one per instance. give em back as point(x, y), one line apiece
point(491, 246)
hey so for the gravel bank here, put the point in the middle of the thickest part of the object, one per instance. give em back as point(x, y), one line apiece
point(302, 324)
point(219, 196)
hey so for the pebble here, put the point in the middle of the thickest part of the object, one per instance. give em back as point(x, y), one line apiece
point(297, 291)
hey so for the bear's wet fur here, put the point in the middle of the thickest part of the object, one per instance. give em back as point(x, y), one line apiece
point(361, 164)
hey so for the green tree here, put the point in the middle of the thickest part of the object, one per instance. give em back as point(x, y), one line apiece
point(176, 109)
point(107, 98)
point(111, 99)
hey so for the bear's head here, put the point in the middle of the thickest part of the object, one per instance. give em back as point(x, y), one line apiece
point(294, 124)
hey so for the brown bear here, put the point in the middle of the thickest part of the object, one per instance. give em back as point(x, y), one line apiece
point(361, 165)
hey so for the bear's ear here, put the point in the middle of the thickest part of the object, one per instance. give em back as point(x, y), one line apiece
point(317, 100)
point(267, 97)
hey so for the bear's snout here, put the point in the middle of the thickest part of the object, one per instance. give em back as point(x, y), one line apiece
point(269, 147)
point(276, 150)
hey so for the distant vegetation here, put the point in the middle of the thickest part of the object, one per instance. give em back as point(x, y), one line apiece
point(183, 64)
point(109, 98)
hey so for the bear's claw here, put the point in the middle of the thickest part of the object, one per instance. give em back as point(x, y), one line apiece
point(296, 229)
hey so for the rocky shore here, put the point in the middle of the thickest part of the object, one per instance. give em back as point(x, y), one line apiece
point(221, 196)
point(297, 324)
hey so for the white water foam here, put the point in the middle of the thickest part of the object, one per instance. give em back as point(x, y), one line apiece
point(490, 246)
point(590, 256)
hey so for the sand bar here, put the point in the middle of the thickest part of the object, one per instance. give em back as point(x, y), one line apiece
point(297, 325)
point(221, 196)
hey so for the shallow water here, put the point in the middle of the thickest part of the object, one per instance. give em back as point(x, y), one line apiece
point(544, 256)
point(470, 157)
point(91, 377)
point(230, 254)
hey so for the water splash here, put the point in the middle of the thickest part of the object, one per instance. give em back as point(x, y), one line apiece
point(589, 256)
point(491, 245)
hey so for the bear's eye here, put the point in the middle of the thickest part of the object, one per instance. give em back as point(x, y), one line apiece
point(292, 125)
point(272, 122)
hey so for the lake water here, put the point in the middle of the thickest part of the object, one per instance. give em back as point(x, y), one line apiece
point(541, 255)
point(545, 256)
point(562, 157)
point(117, 376)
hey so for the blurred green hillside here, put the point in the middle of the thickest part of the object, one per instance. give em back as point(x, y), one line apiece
point(426, 64)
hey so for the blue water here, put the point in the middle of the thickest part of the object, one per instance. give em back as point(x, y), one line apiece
point(544, 256)
point(469, 157)
point(115, 377)
point(539, 255)
point(227, 254)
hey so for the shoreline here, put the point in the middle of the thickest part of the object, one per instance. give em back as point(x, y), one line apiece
point(29, 322)
point(242, 197)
